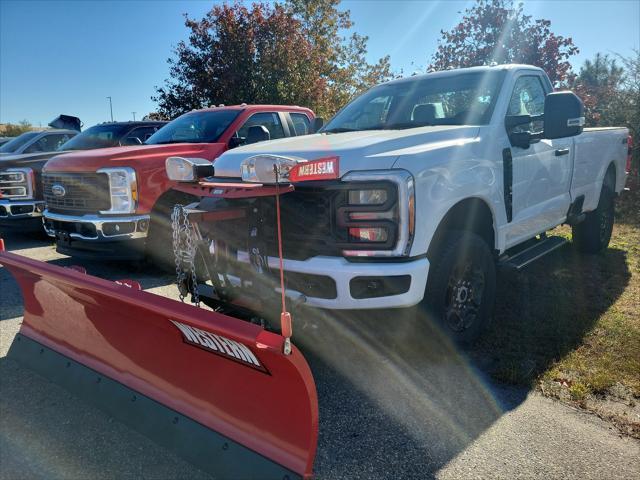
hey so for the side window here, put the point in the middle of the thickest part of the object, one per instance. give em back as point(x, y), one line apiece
point(270, 120)
point(143, 133)
point(48, 143)
point(301, 123)
point(528, 99)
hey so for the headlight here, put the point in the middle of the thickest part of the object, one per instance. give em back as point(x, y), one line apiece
point(380, 213)
point(123, 189)
point(367, 197)
point(188, 169)
point(16, 183)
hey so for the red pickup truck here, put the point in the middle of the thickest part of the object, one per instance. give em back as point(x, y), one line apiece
point(106, 203)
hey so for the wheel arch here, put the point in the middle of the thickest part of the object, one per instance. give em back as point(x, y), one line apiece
point(168, 199)
point(470, 214)
point(609, 177)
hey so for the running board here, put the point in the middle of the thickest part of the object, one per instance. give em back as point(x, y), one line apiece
point(524, 257)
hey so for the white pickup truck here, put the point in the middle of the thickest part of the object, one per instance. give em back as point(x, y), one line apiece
point(423, 186)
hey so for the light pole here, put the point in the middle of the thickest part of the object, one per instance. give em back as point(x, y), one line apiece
point(110, 108)
point(134, 116)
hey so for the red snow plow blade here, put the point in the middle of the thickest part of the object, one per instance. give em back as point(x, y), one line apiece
point(216, 389)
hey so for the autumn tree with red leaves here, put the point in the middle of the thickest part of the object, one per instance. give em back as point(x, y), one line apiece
point(499, 31)
point(292, 53)
point(237, 54)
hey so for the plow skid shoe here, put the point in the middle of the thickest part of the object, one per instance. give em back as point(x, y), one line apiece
point(215, 389)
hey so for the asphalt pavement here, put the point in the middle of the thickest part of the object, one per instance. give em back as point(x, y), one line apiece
point(396, 401)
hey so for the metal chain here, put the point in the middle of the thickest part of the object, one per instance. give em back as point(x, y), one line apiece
point(184, 252)
point(175, 230)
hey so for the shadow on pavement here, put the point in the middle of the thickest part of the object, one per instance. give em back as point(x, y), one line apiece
point(543, 312)
point(397, 400)
point(14, 239)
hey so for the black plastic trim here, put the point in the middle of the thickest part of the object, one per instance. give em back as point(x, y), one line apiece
point(507, 168)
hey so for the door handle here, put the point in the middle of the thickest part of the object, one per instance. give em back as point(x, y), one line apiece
point(562, 151)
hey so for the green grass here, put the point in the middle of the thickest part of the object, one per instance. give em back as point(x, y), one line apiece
point(570, 323)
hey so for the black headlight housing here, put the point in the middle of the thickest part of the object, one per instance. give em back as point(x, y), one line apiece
point(379, 214)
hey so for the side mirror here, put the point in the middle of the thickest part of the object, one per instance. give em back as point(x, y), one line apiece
point(129, 141)
point(563, 115)
point(257, 133)
point(318, 123)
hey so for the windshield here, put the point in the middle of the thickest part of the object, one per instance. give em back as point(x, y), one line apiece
point(195, 127)
point(98, 136)
point(13, 145)
point(460, 99)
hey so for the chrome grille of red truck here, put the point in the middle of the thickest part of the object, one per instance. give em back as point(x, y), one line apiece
point(76, 192)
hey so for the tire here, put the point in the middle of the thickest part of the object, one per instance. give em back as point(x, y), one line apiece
point(593, 234)
point(460, 268)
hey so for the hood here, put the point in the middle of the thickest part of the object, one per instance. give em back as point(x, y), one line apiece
point(143, 156)
point(364, 150)
point(30, 160)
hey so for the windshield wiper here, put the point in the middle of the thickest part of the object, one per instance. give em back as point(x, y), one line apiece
point(339, 130)
point(405, 125)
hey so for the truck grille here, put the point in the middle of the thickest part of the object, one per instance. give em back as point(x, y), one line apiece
point(308, 224)
point(82, 192)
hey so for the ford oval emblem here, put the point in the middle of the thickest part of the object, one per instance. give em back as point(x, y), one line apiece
point(58, 190)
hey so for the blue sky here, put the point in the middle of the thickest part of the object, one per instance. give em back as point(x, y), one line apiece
point(67, 57)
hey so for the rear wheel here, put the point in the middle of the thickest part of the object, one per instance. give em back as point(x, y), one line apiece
point(593, 234)
point(461, 286)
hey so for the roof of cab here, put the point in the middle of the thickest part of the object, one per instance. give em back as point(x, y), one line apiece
point(58, 130)
point(460, 71)
point(135, 122)
point(257, 107)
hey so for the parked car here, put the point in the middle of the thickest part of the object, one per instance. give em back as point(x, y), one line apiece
point(36, 142)
point(4, 140)
point(107, 203)
point(414, 192)
point(21, 195)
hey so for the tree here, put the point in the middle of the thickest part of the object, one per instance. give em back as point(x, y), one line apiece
point(155, 117)
point(628, 102)
point(499, 31)
point(15, 129)
point(611, 95)
point(290, 53)
point(235, 55)
point(598, 84)
point(341, 60)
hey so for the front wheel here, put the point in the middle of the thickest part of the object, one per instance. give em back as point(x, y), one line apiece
point(461, 286)
point(593, 234)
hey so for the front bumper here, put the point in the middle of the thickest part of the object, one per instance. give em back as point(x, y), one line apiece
point(347, 274)
point(96, 228)
point(19, 209)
